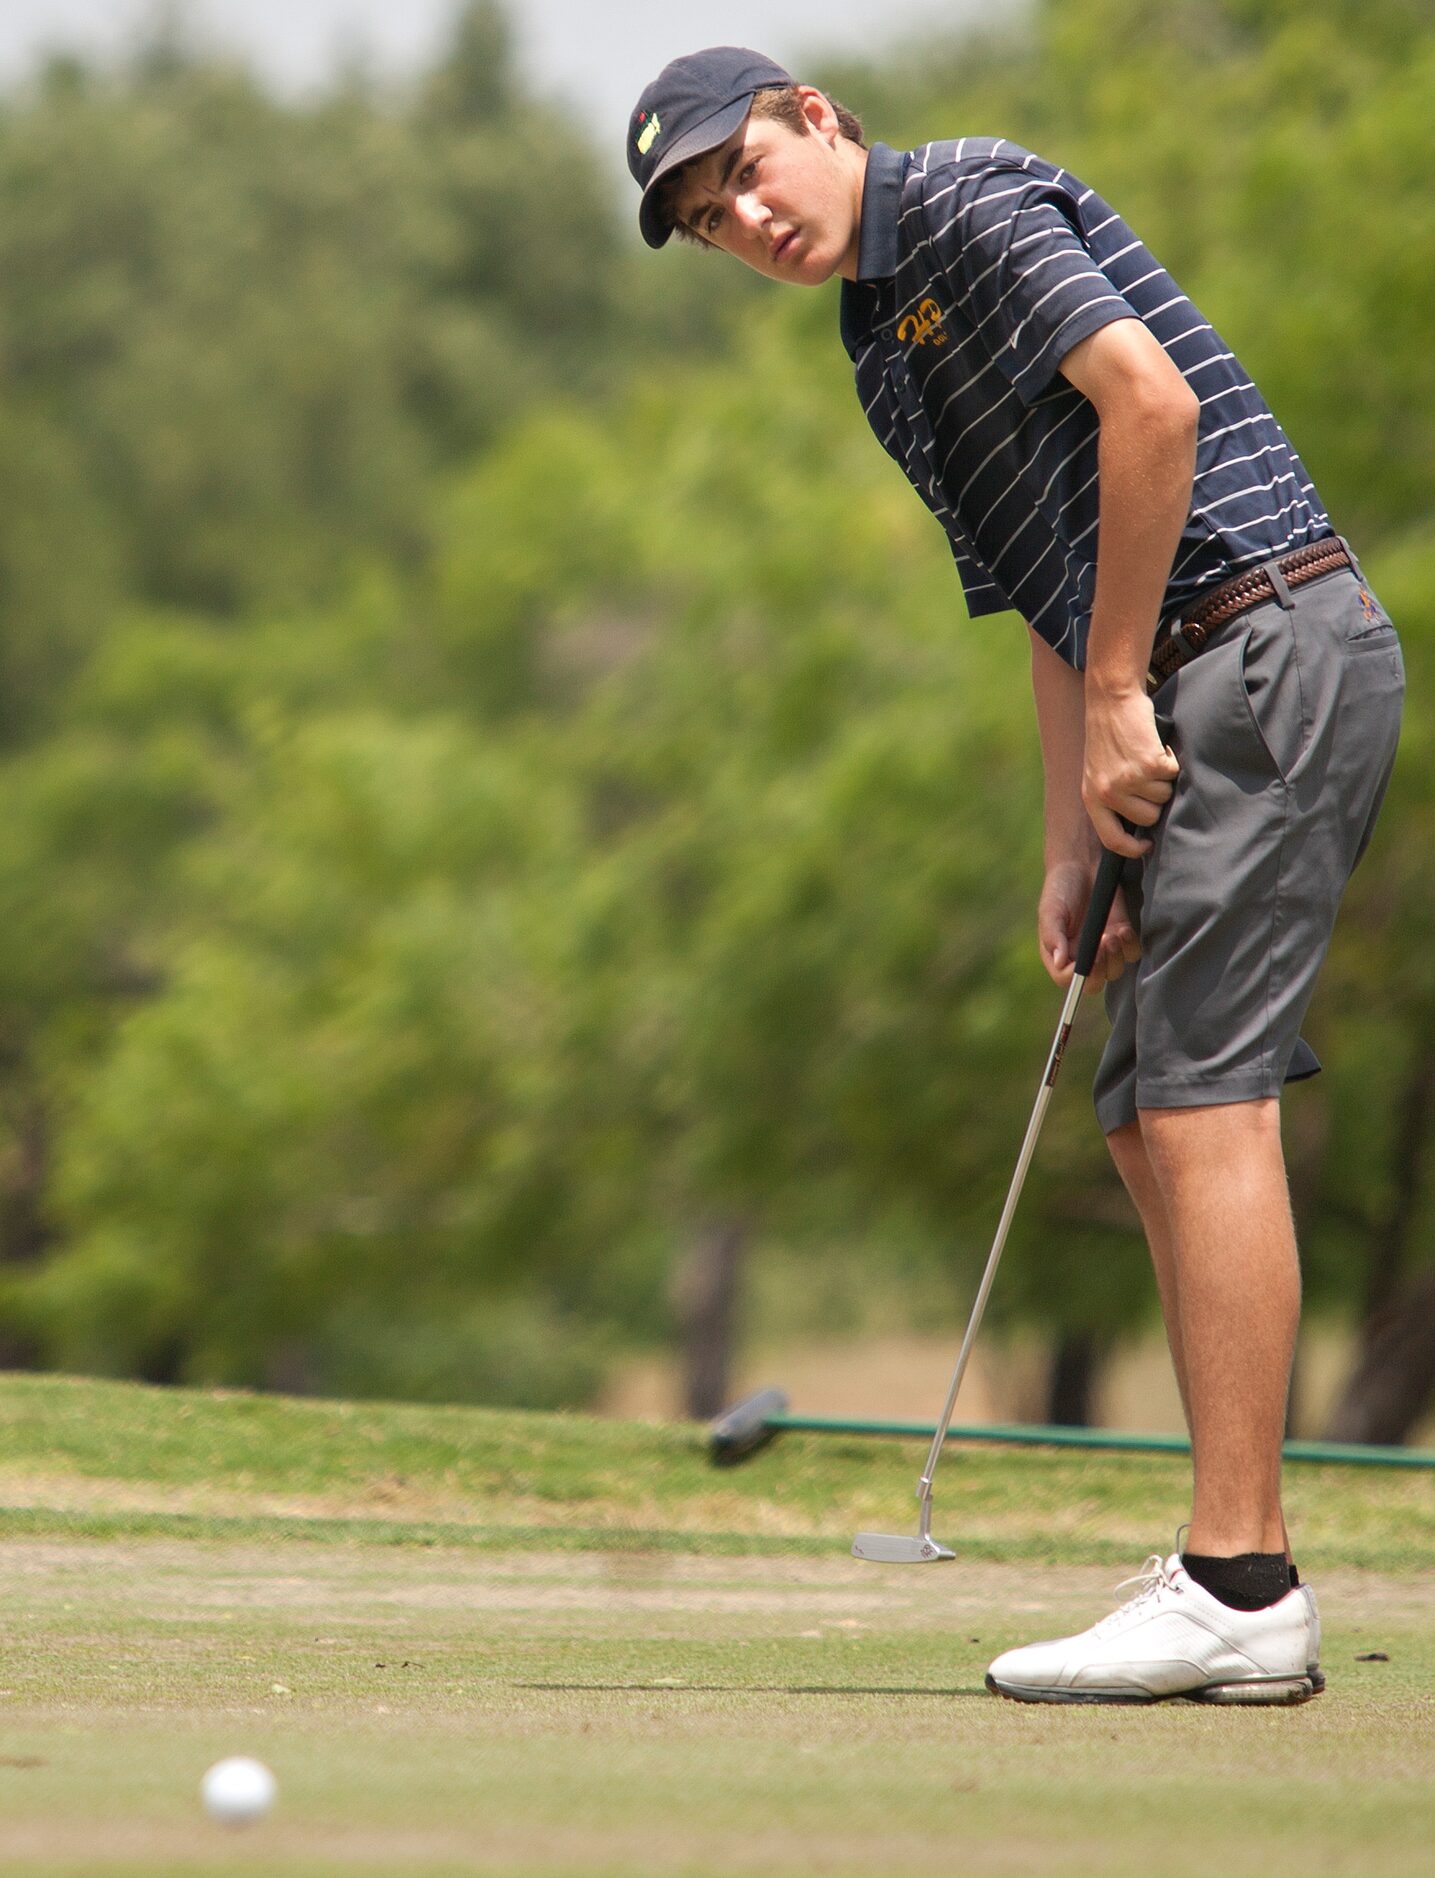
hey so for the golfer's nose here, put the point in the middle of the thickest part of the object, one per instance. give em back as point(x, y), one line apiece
point(751, 213)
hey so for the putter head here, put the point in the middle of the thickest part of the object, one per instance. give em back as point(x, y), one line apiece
point(887, 1548)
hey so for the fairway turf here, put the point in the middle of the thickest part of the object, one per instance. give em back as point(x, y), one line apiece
point(442, 1690)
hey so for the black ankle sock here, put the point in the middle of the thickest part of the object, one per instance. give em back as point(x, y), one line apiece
point(1249, 1582)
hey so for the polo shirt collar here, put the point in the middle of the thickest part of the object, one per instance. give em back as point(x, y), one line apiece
point(881, 202)
point(876, 243)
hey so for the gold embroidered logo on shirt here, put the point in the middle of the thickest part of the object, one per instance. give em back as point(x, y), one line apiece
point(923, 325)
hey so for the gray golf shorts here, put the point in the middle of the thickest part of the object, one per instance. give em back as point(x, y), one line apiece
point(1285, 727)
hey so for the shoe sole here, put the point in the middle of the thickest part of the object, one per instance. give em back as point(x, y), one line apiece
point(1255, 1692)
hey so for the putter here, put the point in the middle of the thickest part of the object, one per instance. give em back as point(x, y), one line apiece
point(920, 1549)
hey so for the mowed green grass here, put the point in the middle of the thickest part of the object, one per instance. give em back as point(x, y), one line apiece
point(478, 1642)
point(101, 1459)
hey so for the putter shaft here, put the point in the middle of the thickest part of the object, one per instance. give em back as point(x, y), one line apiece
point(1103, 892)
point(1018, 1180)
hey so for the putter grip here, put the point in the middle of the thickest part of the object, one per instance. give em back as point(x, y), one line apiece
point(1108, 879)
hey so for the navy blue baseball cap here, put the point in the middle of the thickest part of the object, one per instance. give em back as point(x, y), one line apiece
point(691, 107)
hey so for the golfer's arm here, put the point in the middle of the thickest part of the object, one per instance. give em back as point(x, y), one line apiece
point(1060, 717)
point(1146, 463)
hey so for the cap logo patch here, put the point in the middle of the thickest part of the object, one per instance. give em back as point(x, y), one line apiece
point(649, 132)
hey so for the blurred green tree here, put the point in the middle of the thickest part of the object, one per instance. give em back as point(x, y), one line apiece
point(463, 853)
point(237, 337)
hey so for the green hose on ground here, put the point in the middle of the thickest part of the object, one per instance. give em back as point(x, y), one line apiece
point(1345, 1454)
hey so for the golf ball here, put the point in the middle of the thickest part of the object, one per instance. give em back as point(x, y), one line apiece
point(238, 1791)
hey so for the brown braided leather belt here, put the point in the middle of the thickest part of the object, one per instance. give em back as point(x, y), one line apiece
point(1177, 645)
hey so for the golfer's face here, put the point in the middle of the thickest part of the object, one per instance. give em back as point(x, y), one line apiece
point(784, 204)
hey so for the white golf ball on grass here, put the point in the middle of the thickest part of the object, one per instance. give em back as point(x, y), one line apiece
point(238, 1791)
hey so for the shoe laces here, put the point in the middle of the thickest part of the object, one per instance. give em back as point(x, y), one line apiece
point(1152, 1578)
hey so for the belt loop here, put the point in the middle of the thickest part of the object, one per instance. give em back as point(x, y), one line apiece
point(1272, 572)
point(1356, 568)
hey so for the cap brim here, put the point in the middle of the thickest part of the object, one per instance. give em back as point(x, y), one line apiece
point(697, 142)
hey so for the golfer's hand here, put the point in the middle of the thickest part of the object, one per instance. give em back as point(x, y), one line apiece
point(1059, 913)
point(1129, 773)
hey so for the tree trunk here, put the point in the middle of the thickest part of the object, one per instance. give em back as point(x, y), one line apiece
point(1394, 1379)
point(25, 1235)
point(1076, 1361)
point(704, 1292)
point(1390, 1241)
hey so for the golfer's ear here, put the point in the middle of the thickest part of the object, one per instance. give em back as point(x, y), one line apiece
point(817, 109)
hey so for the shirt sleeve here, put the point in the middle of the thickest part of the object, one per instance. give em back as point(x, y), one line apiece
point(1021, 273)
point(982, 593)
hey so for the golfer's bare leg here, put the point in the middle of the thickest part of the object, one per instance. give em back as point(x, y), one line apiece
point(1220, 1174)
point(1133, 1164)
point(1128, 1150)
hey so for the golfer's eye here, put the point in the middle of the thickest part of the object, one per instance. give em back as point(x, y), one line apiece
point(711, 221)
point(747, 174)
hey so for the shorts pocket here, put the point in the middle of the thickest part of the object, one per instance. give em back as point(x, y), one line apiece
point(1250, 698)
point(1272, 690)
point(1236, 709)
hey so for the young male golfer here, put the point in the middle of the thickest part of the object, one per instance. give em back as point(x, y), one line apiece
point(1210, 670)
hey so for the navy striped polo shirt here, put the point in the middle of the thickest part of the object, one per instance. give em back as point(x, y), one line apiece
point(979, 268)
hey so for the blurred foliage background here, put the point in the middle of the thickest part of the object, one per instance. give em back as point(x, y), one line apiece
point(504, 824)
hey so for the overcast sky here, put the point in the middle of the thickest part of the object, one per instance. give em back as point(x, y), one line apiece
point(599, 55)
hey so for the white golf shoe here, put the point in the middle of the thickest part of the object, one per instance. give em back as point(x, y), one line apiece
point(1312, 1665)
point(1174, 1640)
